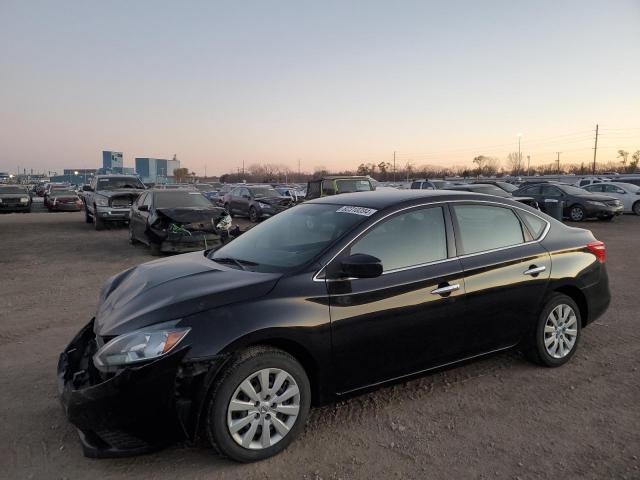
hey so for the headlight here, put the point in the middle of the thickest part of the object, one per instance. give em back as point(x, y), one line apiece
point(139, 346)
point(24, 200)
point(0, 200)
point(264, 205)
point(103, 202)
point(597, 204)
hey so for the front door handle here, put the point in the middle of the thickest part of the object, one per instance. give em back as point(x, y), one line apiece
point(533, 270)
point(446, 289)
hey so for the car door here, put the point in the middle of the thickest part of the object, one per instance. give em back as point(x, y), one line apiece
point(134, 216)
point(618, 193)
point(506, 271)
point(551, 192)
point(412, 316)
point(244, 199)
point(143, 217)
point(233, 199)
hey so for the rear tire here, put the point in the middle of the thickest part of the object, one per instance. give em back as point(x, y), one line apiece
point(636, 208)
point(554, 340)
point(87, 217)
point(284, 419)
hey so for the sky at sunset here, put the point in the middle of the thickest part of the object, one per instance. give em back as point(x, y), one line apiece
point(330, 83)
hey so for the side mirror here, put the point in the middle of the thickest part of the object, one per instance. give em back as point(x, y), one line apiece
point(361, 265)
point(143, 208)
point(87, 188)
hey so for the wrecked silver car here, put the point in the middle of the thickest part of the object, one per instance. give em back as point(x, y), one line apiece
point(177, 221)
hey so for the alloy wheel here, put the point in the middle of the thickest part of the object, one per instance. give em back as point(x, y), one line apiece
point(577, 214)
point(263, 409)
point(560, 331)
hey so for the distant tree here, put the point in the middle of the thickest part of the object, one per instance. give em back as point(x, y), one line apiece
point(514, 162)
point(623, 154)
point(180, 174)
point(633, 164)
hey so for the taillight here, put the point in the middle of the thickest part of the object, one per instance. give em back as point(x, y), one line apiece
point(598, 249)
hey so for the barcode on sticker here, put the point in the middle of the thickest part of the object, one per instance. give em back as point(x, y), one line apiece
point(365, 212)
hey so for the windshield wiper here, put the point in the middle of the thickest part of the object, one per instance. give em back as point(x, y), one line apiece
point(235, 261)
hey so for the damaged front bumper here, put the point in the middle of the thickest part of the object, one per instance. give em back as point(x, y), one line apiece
point(176, 243)
point(127, 413)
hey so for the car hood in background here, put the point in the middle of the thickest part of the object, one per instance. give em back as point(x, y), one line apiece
point(595, 198)
point(173, 288)
point(274, 200)
point(113, 193)
point(191, 214)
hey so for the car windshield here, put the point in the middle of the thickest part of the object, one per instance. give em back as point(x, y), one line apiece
point(114, 183)
point(570, 190)
point(290, 239)
point(180, 199)
point(263, 192)
point(630, 187)
point(12, 190)
point(350, 185)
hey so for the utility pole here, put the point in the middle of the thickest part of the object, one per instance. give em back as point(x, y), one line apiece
point(558, 160)
point(595, 151)
point(519, 156)
point(394, 166)
point(528, 165)
point(299, 170)
point(243, 168)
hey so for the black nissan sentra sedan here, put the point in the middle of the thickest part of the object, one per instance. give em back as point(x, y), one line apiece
point(326, 299)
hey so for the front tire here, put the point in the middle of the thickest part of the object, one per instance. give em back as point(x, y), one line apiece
point(607, 218)
point(258, 405)
point(253, 215)
point(577, 213)
point(98, 223)
point(636, 208)
point(132, 238)
point(555, 337)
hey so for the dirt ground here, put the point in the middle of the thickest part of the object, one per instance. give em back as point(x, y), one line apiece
point(499, 417)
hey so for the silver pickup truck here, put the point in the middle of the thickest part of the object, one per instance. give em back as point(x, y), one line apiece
point(108, 198)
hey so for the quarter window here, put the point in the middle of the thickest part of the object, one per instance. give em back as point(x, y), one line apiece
point(407, 239)
point(484, 227)
point(535, 224)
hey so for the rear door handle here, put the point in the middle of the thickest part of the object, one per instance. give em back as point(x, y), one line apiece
point(446, 289)
point(533, 270)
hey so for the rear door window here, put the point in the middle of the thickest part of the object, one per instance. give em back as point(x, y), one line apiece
point(408, 239)
point(483, 227)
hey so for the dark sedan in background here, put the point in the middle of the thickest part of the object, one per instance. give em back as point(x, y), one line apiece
point(578, 204)
point(333, 297)
point(14, 198)
point(63, 200)
point(255, 201)
point(177, 221)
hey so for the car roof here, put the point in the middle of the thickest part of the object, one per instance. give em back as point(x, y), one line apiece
point(381, 199)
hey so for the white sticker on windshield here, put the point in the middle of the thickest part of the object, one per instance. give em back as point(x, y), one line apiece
point(365, 212)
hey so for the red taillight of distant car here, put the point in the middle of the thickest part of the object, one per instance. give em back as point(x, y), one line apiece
point(599, 249)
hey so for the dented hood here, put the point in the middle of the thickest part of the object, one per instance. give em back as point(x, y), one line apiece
point(173, 288)
point(191, 214)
